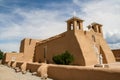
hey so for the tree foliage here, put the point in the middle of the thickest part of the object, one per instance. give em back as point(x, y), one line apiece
point(65, 58)
point(1, 55)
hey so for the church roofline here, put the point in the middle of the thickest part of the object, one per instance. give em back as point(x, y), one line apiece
point(94, 23)
point(52, 38)
point(74, 18)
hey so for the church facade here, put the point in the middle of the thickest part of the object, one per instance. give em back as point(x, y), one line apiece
point(87, 47)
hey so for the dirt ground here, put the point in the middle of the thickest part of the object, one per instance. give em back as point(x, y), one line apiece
point(7, 73)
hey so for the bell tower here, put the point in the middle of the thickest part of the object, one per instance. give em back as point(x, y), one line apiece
point(97, 27)
point(74, 24)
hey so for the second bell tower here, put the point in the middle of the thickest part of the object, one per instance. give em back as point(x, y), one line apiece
point(74, 24)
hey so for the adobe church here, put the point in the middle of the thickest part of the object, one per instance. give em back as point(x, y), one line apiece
point(87, 47)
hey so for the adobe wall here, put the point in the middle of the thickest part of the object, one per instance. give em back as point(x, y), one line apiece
point(28, 47)
point(64, 72)
point(61, 72)
point(80, 44)
point(33, 67)
point(87, 47)
point(102, 46)
point(116, 53)
point(106, 51)
point(13, 57)
point(66, 41)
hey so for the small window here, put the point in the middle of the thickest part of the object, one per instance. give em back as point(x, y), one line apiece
point(71, 26)
point(99, 30)
point(78, 26)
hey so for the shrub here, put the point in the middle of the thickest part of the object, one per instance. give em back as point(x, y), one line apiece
point(1, 55)
point(65, 58)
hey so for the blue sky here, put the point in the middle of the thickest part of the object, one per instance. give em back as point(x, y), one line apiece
point(40, 19)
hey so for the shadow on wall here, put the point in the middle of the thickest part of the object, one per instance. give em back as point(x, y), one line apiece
point(116, 53)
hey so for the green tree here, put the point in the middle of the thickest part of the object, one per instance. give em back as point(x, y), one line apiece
point(65, 58)
point(1, 54)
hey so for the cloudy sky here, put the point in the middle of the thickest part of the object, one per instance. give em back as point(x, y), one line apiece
point(40, 19)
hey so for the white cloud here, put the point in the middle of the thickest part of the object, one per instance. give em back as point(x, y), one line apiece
point(106, 12)
point(36, 24)
point(10, 32)
point(114, 40)
point(41, 23)
point(115, 46)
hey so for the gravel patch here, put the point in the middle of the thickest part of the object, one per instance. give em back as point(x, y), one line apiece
point(7, 73)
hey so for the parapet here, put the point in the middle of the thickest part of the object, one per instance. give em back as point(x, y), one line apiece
point(52, 38)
